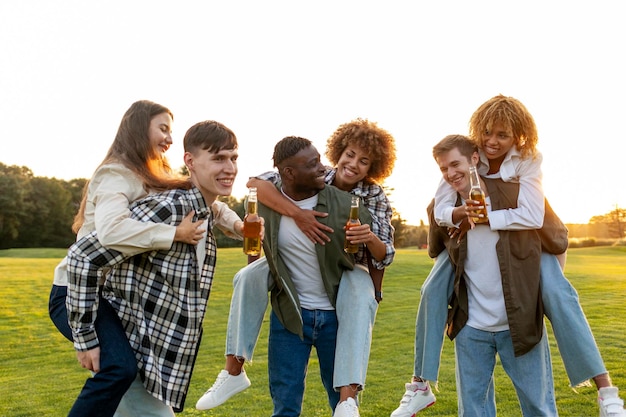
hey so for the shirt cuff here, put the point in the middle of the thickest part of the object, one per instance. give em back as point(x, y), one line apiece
point(85, 340)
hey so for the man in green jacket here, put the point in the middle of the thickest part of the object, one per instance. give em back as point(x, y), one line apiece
point(305, 276)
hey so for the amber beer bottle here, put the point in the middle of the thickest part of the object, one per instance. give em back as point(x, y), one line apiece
point(353, 220)
point(252, 226)
point(477, 193)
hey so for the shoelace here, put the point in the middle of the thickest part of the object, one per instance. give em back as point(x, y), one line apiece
point(218, 383)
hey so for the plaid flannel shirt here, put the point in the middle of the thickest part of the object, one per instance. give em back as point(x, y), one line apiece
point(376, 201)
point(160, 296)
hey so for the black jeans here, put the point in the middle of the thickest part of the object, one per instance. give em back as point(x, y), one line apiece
point(101, 393)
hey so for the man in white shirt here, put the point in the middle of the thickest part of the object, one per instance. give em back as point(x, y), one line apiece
point(497, 278)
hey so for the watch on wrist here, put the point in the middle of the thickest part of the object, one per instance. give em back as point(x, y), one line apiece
point(378, 295)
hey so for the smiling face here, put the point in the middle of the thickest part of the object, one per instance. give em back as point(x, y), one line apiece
point(496, 143)
point(352, 167)
point(454, 167)
point(303, 174)
point(213, 173)
point(160, 133)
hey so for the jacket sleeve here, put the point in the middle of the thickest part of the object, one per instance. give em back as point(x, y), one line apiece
point(86, 260)
point(111, 191)
point(553, 234)
point(437, 235)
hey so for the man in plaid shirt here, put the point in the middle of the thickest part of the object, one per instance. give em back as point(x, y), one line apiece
point(160, 296)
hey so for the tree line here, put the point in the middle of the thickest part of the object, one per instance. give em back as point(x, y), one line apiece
point(37, 212)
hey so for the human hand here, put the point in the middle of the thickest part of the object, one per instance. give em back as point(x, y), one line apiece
point(458, 232)
point(306, 220)
point(262, 233)
point(360, 234)
point(90, 359)
point(476, 211)
point(189, 231)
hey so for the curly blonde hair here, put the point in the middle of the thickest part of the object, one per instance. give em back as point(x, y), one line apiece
point(379, 143)
point(514, 117)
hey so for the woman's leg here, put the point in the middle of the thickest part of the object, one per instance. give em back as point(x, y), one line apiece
point(432, 314)
point(101, 393)
point(575, 341)
point(356, 312)
point(430, 325)
point(247, 309)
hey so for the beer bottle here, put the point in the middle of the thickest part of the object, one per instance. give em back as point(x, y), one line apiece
point(477, 193)
point(252, 226)
point(353, 220)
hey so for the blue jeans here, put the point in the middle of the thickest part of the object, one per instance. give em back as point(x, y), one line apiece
point(577, 346)
point(247, 308)
point(356, 312)
point(432, 314)
point(575, 341)
point(137, 402)
point(530, 373)
point(101, 393)
point(288, 359)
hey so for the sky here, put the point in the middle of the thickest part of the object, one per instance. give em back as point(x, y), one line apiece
point(70, 69)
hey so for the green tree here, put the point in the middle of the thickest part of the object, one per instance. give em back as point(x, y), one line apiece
point(14, 205)
point(400, 230)
point(616, 220)
point(238, 207)
point(49, 222)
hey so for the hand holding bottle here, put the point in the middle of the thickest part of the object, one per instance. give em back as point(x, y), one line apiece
point(252, 226)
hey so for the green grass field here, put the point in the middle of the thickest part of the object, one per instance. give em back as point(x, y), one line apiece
point(39, 374)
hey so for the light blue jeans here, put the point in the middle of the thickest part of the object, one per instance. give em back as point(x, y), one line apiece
point(530, 373)
point(575, 341)
point(137, 402)
point(356, 309)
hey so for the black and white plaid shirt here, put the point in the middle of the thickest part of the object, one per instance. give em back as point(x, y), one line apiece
point(160, 296)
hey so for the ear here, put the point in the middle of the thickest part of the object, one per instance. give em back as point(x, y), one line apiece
point(188, 158)
point(475, 158)
point(287, 173)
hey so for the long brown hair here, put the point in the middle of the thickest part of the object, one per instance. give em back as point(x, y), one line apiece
point(131, 148)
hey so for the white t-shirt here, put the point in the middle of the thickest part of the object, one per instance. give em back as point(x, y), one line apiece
point(484, 282)
point(298, 253)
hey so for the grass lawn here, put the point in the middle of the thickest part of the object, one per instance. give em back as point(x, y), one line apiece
point(39, 374)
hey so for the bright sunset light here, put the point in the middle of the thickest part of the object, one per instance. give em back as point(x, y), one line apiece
point(70, 69)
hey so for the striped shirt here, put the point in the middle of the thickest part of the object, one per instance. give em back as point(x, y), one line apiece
point(160, 296)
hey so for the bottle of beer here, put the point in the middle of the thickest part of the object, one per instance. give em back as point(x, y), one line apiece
point(252, 226)
point(353, 220)
point(477, 193)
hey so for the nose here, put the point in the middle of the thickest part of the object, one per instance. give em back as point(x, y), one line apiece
point(231, 166)
point(489, 137)
point(168, 139)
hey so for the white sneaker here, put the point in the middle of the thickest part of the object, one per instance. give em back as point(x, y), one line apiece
point(611, 405)
point(224, 387)
point(417, 397)
point(347, 408)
